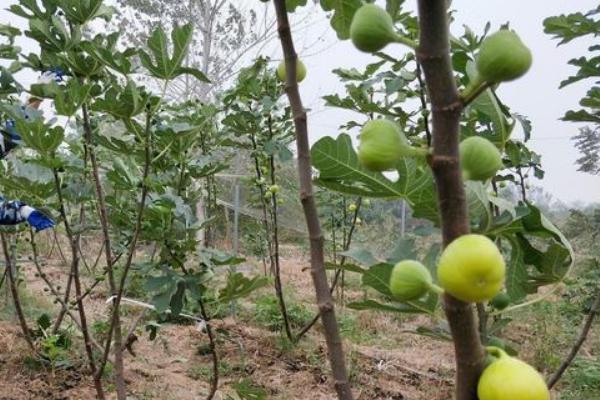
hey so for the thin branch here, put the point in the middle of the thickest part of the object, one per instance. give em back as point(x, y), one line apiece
point(424, 108)
point(585, 330)
point(53, 290)
point(319, 276)
point(10, 269)
point(115, 328)
point(214, 382)
point(338, 272)
point(115, 325)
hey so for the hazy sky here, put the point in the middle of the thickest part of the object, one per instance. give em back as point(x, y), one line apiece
point(535, 95)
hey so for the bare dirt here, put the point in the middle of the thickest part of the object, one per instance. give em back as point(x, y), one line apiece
point(176, 366)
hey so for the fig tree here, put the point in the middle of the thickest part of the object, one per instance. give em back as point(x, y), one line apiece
point(471, 268)
point(372, 28)
point(503, 57)
point(383, 144)
point(480, 159)
point(508, 378)
point(300, 71)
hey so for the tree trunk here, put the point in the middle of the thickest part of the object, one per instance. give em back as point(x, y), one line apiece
point(434, 56)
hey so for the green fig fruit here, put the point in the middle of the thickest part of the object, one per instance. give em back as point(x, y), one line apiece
point(300, 71)
point(503, 57)
point(383, 144)
point(372, 28)
point(352, 207)
point(479, 159)
point(509, 378)
point(500, 301)
point(471, 268)
point(274, 189)
point(409, 280)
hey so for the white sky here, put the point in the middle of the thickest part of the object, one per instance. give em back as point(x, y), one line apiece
point(535, 95)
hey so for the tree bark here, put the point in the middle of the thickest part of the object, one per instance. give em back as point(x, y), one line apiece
point(324, 298)
point(434, 56)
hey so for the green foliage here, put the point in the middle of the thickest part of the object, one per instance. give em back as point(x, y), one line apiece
point(343, 11)
point(567, 28)
point(268, 314)
point(166, 67)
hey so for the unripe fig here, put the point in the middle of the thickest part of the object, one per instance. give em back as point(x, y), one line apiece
point(366, 202)
point(300, 71)
point(372, 28)
point(509, 378)
point(503, 57)
point(500, 301)
point(352, 207)
point(274, 189)
point(471, 268)
point(410, 280)
point(383, 144)
point(479, 159)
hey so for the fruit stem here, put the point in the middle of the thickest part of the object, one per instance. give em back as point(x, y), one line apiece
point(473, 90)
point(496, 352)
point(436, 289)
point(419, 152)
point(406, 41)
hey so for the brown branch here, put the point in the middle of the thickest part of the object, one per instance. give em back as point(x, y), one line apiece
point(424, 109)
point(9, 265)
point(83, 325)
point(214, 382)
point(103, 216)
point(53, 290)
point(324, 299)
point(585, 330)
point(115, 325)
point(434, 56)
point(275, 238)
point(522, 184)
point(338, 272)
point(74, 242)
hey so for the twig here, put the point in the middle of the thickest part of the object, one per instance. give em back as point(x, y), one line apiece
point(278, 285)
point(472, 96)
point(522, 184)
point(15, 292)
point(324, 298)
point(434, 55)
point(74, 240)
point(214, 382)
point(52, 288)
point(424, 109)
point(115, 326)
point(585, 330)
point(338, 272)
